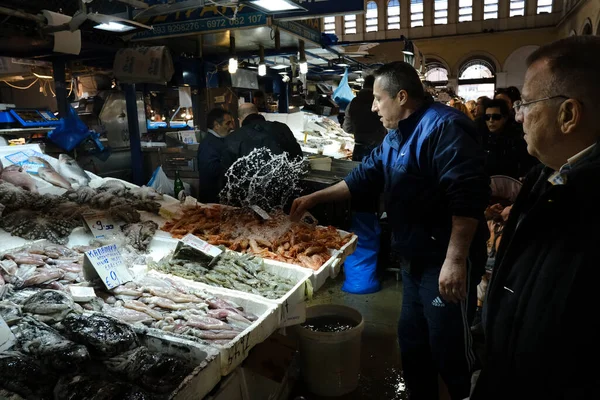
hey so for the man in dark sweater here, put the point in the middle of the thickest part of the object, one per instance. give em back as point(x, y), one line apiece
point(540, 313)
point(430, 170)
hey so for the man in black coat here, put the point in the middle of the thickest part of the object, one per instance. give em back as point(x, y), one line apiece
point(361, 121)
point(540, 314)
point(255, 132)
point(220, 123)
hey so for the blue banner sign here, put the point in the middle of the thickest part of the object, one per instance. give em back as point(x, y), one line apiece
point(300, 29)
point(205, 19)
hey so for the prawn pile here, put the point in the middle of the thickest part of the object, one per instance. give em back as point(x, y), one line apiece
point(277, 238)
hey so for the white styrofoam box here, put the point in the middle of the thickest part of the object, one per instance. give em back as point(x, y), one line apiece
point(232, 387)
point(237, 349)
point(207, 359)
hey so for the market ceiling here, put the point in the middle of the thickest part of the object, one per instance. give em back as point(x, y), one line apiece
point(207, 28)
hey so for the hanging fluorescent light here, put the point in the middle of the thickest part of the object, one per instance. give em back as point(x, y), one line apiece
point(304, 67)
point(275, 5)
point(303, 63)
point(115, 24)
point(114, 27)
point(342, 65)
point(233, 62)
point(233, 65)
point(262, 67)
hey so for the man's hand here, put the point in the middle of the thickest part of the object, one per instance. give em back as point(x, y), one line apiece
point(301, 205)
point(453, 280)
point(494, 211)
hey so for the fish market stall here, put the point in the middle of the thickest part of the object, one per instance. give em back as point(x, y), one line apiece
point(55, 216)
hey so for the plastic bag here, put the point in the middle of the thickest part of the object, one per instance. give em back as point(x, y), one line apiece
point(71, 131)
point(360, 267)
point(343, 95)
point(162, 184)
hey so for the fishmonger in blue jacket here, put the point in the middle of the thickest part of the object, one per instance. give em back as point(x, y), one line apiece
point(430, 169)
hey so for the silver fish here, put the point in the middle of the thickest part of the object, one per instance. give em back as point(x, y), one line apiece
point(71, 171)
point(17, 176)
point(39, 160)
point(53, 177)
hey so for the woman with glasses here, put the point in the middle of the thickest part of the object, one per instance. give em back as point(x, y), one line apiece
point(504, 144)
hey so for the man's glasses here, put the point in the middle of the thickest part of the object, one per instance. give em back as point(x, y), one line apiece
point(495, 117)
point(517, 105)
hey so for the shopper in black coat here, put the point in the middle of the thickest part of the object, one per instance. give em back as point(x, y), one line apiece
point(504, 144)
point(541, 319)
point(255, 132)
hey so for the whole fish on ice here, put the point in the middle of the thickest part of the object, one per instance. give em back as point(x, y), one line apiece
point(71, 171)
point(49, 174)
point(17, 176)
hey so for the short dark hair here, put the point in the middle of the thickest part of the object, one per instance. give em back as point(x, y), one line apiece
point(216, 115)
point(512, 92)
point(501, 104)
point(574, 63)
point(369, 82)
point(398, 76)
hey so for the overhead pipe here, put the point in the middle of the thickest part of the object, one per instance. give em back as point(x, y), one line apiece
point(21, 14)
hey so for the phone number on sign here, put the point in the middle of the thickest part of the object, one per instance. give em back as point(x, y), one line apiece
point(217, 23)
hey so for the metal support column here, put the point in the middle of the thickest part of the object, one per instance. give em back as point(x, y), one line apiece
point(284, 98)
point(135, 146)
point(58, 66)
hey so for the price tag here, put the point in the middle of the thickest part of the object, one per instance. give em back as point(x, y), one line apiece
point(238, 352)
point(201, 245)
point(107, 263)
point(261, 213)
point(7, 339)
point(99, 224)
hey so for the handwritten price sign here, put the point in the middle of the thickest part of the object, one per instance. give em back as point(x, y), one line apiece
point(201, 245)
point(106, 262)
point(99, 224)
point(239, 350)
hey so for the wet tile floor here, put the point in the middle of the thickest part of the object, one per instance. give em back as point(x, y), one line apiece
point(380, 356)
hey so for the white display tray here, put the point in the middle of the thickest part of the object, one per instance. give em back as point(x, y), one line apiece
point(236, 351)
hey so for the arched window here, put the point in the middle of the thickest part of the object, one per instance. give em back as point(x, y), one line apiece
point(416, 13)
point(393, 14)
point(517, 8)
point(329, 24)
point(544, 6)
point(587, 29)
point(490, 9)
point(437, 74)
point(371, 17)
point(349, 24)
point(476, 78)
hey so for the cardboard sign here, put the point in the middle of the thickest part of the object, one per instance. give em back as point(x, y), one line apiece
point(201, 245)
point(261, 213)
point(99, 224)
point(107, 263)
point(7, 339)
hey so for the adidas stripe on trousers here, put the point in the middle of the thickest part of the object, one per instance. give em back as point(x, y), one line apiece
point(435, 336)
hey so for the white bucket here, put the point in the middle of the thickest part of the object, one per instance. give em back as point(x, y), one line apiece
point(330, 361)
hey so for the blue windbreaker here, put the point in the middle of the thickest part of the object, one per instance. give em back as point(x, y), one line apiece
point(430, 169)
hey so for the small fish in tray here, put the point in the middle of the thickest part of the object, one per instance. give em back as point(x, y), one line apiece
point(230, 270)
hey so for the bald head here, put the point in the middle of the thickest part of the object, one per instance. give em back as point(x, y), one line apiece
point(246, 109)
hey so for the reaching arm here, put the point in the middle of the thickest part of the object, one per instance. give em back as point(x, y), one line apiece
point(337, 192)
point(453, 276)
